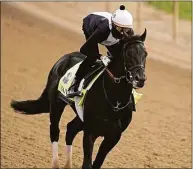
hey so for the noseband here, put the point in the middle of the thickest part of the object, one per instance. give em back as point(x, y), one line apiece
point(133, 70)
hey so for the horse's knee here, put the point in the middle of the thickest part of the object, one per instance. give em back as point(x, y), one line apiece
point(73, 128)
point(75, 125)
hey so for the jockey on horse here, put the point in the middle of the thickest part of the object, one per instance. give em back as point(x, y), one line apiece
point(101, 28)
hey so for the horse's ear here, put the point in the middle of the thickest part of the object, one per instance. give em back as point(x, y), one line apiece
point(143, 36)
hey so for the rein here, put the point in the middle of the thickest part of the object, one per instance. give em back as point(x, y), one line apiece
point(115, 108)
point(116, 79)
point(130, 79)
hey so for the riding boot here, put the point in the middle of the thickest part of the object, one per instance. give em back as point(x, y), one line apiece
point(73, 89)
point(82, 71)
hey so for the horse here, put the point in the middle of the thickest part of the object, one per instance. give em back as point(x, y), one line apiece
point(108, 106)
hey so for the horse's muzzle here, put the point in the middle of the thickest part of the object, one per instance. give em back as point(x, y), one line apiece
point(139, 82)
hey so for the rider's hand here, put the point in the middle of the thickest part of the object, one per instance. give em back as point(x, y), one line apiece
point(105, 60)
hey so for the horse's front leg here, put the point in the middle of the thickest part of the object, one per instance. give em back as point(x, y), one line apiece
point(56, 110)
point(73, 128)
point(88, 143)
point(107, 144)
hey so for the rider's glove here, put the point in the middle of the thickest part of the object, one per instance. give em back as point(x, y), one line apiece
point(105, 60)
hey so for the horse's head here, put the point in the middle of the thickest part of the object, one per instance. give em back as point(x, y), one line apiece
point(134, 57)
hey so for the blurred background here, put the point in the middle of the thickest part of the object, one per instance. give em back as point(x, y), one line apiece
point(36, 34)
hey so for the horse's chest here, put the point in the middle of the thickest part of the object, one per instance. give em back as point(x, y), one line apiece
point(103, 126)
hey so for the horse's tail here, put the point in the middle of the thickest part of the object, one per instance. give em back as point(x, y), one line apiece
point(41, 105)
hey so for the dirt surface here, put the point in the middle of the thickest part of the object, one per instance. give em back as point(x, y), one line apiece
point(158, 136)
point(158, 24)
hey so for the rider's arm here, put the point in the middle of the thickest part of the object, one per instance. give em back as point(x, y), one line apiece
point(100, 34)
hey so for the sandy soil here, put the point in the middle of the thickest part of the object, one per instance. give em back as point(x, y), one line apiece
point(159, 134)
point(158, 24)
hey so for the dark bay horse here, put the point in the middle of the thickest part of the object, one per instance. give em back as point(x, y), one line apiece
point(108, 105)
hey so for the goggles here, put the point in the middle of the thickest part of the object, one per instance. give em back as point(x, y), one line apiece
point(121, 30)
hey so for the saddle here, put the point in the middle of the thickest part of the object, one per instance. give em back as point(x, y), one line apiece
point(66, 81)
point(96, 68)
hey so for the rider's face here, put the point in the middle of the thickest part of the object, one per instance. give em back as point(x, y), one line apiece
point(121, 30)
point(118, 31)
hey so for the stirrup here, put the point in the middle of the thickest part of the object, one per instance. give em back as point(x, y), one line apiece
point(71, 88)
point(77, 93)
point(65, 99)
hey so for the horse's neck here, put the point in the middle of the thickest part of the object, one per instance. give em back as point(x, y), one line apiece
point(117, 91)
point(117, 65)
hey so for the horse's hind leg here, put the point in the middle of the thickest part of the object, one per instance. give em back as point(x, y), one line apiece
point(56, 110)
point(73, 128)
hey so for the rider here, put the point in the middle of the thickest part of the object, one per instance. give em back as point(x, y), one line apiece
point(101, 28)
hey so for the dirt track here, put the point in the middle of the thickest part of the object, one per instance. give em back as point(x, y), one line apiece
point(159, 134)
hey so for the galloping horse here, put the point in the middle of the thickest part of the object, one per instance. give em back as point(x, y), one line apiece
point(108, 106)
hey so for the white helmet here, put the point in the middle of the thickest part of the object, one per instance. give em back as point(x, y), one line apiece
point(122, 18)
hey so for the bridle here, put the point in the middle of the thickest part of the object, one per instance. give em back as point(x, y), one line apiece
point(129, 72)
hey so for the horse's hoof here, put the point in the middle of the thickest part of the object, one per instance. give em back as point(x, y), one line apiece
point(18, 112)
point(55, 164)
point(68, 165)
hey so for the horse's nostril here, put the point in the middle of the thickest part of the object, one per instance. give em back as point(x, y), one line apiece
point(137, 78)
point(141, 84)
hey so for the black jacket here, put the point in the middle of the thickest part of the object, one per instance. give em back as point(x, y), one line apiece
point(97, 29)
